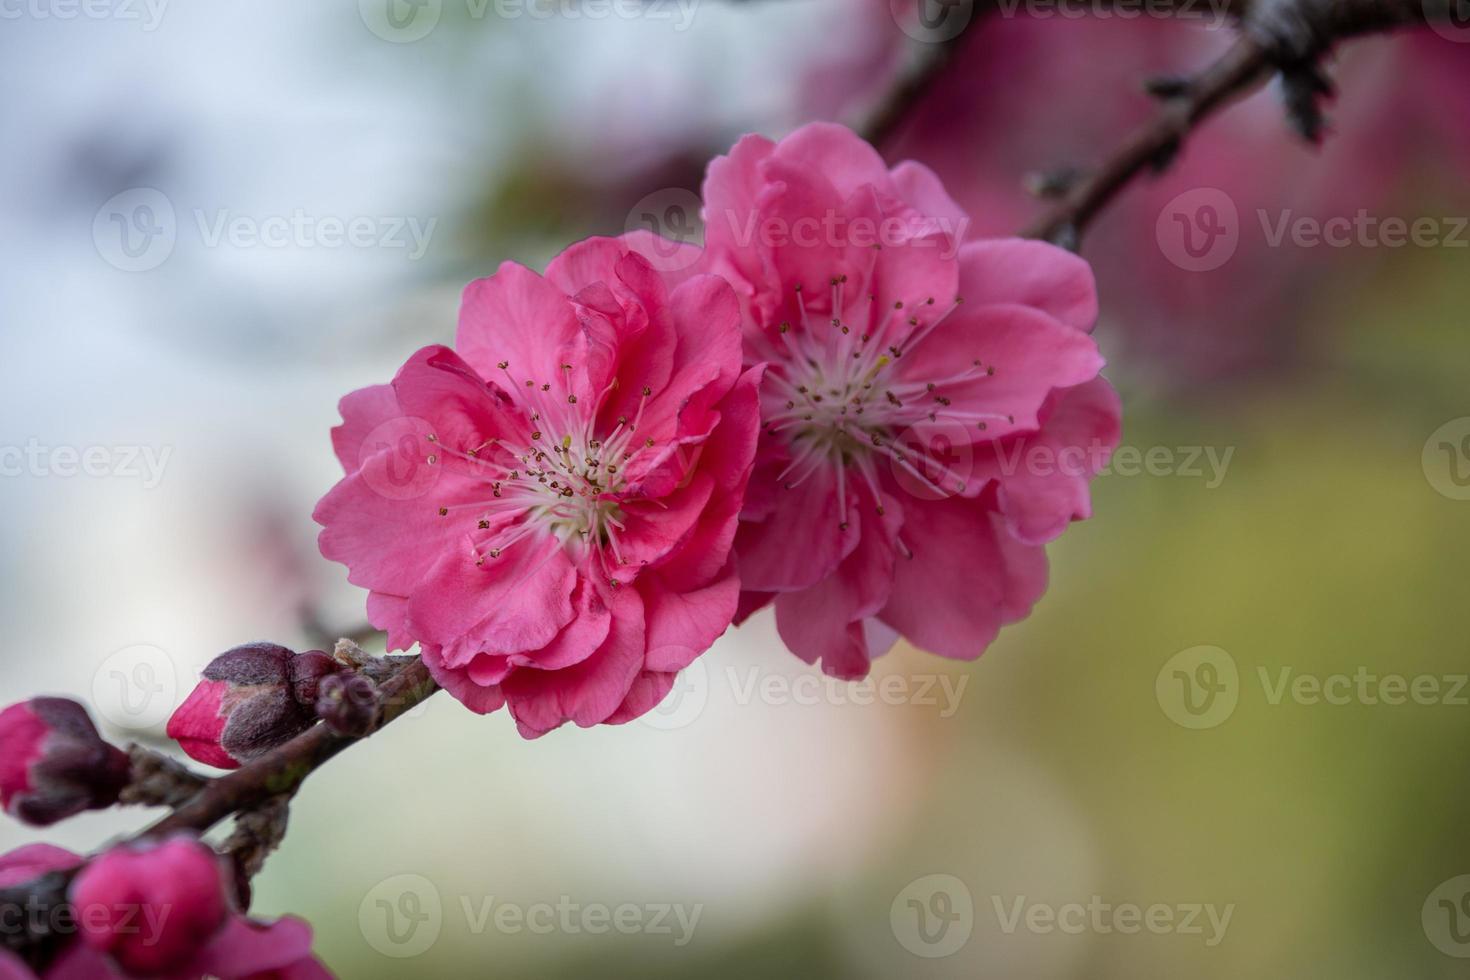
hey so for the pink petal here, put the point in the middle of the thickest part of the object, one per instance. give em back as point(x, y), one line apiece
point(967, 578)
point(588, 692)
point(1030, 273)
point(825, 622)
point(515, 316)
point(801, 542)
point(1044, 476)
point(456, 680)
point(510, 604)
point(1031, 352)
point(682, 625)
point(363, 412)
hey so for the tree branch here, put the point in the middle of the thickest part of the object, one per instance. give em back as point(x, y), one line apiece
point(1288, 36)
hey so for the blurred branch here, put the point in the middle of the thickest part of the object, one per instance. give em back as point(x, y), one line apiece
point(1288, 37)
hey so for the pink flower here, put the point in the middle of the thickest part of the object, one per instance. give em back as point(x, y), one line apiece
point(914, 389)
point(548, 512)
point(251, 699)
point(53, 764)
point(156, 911)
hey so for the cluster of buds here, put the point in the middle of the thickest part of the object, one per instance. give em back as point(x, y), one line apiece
point(155, 908)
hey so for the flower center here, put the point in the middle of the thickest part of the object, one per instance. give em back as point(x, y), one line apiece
point(562, 479)
point(838, 399)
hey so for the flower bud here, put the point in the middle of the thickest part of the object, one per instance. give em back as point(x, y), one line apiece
point(252, 698)
point(152, 907)
point(348, 703)
point(53, 764)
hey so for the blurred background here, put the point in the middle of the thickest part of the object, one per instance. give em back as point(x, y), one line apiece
point(1227, 743)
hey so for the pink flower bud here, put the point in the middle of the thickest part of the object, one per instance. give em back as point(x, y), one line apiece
point(153, 907)
point(252, 698)
point(53, 764)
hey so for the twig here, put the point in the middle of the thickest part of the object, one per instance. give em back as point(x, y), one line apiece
point(1238, 71)
point(1288, 36)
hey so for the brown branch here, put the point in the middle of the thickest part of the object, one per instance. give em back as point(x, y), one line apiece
point(1240, 70)
point(1277, 35)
